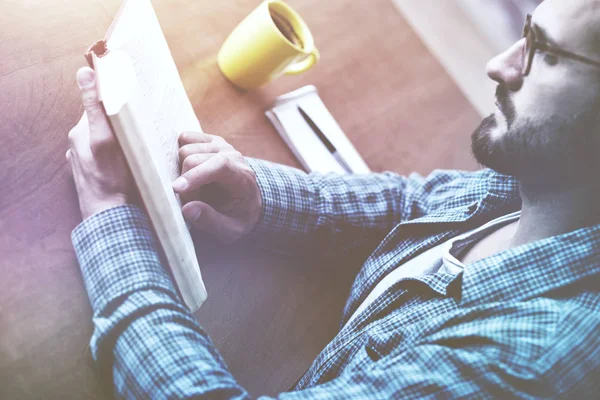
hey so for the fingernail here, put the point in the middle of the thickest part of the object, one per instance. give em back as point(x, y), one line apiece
point(85, 78)
point(180, 184)
point(197, 215)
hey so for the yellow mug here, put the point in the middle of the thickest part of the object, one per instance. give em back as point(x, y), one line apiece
point(273, 40)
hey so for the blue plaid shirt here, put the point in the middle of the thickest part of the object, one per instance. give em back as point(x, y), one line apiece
point(521, 323)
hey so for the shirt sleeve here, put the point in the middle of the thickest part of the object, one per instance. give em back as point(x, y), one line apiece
point(333, 214)
point(145, 340)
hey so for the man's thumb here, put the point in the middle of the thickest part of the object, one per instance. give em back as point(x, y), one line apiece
point(86, 80)
point(206, 218)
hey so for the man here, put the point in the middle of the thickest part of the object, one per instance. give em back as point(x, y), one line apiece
point(486, 283)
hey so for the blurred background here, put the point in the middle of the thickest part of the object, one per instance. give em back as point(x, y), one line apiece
point(465, 34)
point(507, 16)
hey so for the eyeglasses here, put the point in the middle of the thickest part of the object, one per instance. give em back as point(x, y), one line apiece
point(532, 44)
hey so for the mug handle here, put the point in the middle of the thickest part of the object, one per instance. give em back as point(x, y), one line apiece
point(304, 65)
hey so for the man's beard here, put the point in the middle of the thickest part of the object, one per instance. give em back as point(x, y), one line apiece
point(555, 151)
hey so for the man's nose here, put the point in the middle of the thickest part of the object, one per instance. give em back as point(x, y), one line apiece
point(507, 67)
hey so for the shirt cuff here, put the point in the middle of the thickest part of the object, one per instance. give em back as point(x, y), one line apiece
point(118, 254)
point(286, 198)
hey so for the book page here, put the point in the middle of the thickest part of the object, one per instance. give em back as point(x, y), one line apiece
point(160, 97)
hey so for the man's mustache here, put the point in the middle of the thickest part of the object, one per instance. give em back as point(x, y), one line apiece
point(502, 96)
point(504, 103)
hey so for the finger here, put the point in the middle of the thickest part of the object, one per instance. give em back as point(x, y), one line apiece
point(99, 128)
point(195, 148)
point(206, 218)
point(215, 169)
point(73, 164)
point(83, 121)
point(195, 137)
point(79, 139)
point(86, 80)
point(194, 160)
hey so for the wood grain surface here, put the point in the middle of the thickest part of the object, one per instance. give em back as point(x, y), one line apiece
point(268, 314)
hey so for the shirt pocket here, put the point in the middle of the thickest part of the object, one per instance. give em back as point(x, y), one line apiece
point(381, 344)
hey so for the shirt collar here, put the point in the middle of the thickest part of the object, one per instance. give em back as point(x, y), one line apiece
point(503, 185)
point(499, 196)
point(532, 269)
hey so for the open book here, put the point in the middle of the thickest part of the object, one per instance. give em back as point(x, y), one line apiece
point(148, 108)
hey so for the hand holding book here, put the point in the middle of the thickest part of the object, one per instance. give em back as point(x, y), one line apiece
point(102, 177)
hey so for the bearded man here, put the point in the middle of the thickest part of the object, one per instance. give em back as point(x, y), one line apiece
point(479, 284)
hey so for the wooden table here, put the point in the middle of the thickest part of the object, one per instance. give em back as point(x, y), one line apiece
point(269, 315)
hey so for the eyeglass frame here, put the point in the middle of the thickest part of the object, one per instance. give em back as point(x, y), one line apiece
point(531, 40)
